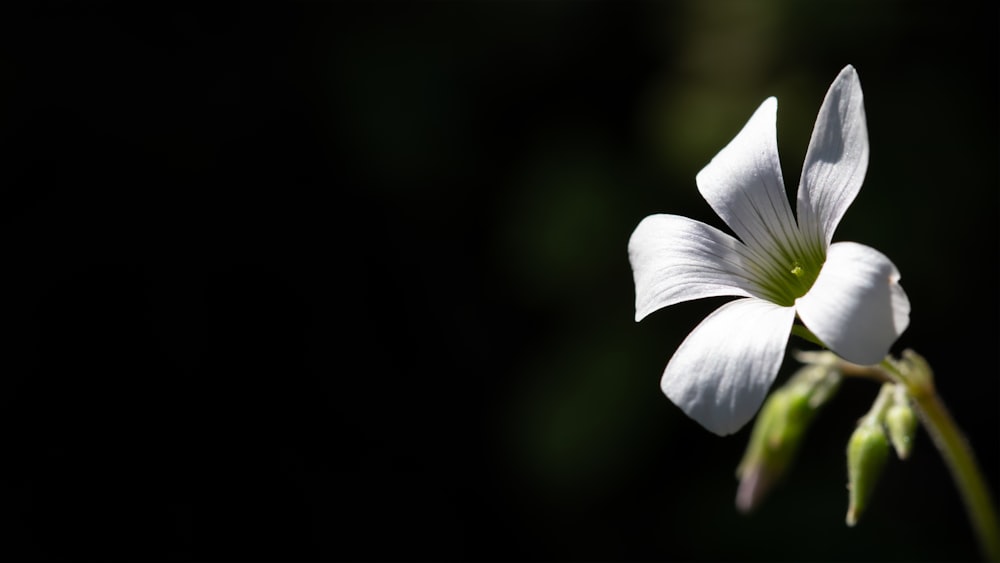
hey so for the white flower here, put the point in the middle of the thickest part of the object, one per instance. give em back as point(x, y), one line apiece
point(845, 293)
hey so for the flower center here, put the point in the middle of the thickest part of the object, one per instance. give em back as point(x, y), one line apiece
point(803, 275)
point(785, 283)
point(802, 279)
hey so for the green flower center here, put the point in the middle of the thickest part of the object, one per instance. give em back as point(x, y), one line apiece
point(802, 278)
point(791, 278)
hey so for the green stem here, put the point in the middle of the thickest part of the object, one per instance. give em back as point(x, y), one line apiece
point(958, 456)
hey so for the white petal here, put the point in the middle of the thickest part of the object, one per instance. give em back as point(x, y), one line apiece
point(856, 307)
point(678, 259)
point(743, 184)
point(722, 371)
point(836, 160)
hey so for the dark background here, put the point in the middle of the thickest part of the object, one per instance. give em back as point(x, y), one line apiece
point(324, 280)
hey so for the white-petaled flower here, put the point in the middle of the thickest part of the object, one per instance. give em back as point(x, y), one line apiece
point(845, 293)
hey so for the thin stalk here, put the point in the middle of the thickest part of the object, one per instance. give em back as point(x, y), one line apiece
point(968, 478)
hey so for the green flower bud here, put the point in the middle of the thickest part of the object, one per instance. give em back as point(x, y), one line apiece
point(792, 413)
point(901, 422)
point(779, 430)
point(768, 453)
point(867, 453)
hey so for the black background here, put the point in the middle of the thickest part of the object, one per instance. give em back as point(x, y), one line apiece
point(324, 280)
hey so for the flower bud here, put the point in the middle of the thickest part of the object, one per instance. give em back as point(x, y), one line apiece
point(766, 456)
point(779, 430)
point(901, 422)
point(867, 453)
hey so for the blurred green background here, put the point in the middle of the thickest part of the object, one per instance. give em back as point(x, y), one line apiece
point(345, 280)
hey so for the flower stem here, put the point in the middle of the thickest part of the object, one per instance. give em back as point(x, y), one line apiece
point(955, 450)
point(958, 455)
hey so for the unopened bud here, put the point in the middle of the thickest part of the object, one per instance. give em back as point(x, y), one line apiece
point(779, 430)
point(901, 422)
point(867, 453)
point(772, 443)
